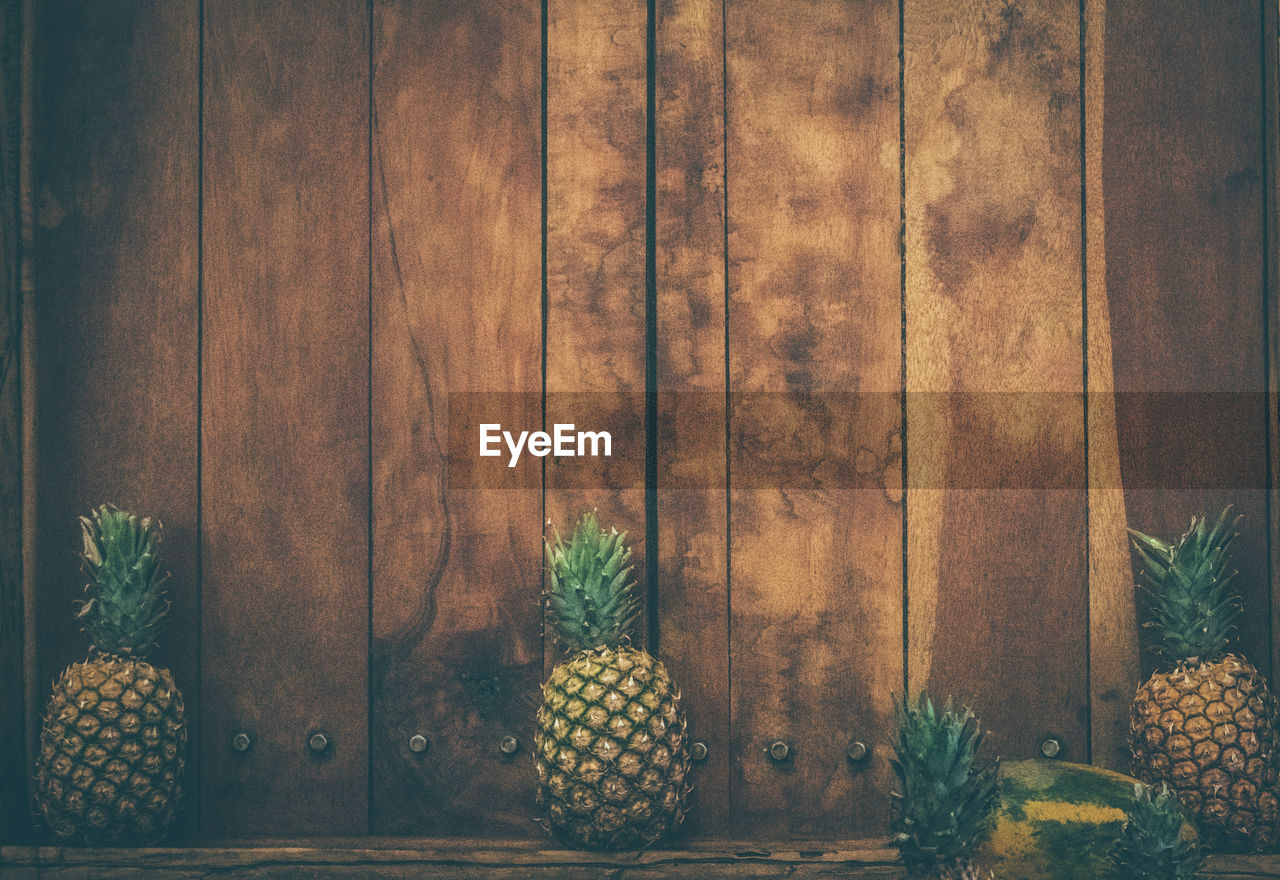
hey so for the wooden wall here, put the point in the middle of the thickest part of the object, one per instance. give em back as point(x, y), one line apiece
point(838, 274)
point(15, 99)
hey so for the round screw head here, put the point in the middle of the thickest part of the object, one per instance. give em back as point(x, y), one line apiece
point(698, 751)
point(417, 743)
point(858, 751)
point(779, 751)
point(318, 741)
point(241, 741)
point(1050, 747)
point(508, 745)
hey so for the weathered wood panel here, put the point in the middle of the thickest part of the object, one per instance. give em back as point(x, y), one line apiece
point(116, 258)
point(676, 870)
point(1000, 593)
point(1113, 626)
point(814, 311)
point(457, 308)
point(1271, 195)
point(285, 419)
point(693, 589)
point(998, 584)
point(1183, 179)
point(595, 263)
point(27, 381)
point(455, 859)
point(13, 86)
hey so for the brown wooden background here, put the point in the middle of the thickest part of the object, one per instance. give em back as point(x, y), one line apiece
point(272, 239)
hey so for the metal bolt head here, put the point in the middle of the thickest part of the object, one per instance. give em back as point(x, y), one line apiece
point(1050, 747)
point(858, 751)
point(241, 741)
point(779, 750)
point(508, 745)
point(318, 741)
point(417, 743)
point(698, 751)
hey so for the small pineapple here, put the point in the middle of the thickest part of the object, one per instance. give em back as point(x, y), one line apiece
point(113, 746)
point(1206, 725)
point(946, 800)
point(1152, 846)
point(612, 761)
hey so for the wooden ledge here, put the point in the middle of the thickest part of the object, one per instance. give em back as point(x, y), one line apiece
point(398, 858)
point(387, 858)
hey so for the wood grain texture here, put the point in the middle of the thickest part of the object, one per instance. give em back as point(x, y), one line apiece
point(1271, 207)
point(460, 859)
point(457, 859)
point(27, 360)
point(1183, 179)
point(676, 870)
point(814, 308)
point(1113, 627)
point(692, 501)
point(996, 510)
point(116, 259)
point(285, 420)
point(456, 309)
point(13, 788)
point(595, 263)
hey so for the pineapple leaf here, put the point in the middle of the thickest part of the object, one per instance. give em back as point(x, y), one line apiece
point(126, 604)
point(1189, 598)
point(946, 798)
point(591, 599)
point(1151, 845)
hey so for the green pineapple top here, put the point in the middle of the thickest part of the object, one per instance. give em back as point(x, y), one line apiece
point(1151, 846)
point(126, 604)
point(1193, 610)
point(946, 799)
point(591, 600)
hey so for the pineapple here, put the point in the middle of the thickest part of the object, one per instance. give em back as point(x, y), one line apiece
point(1207, 724)
point(946, 800)
point(1151, 846)
point(112, 749)
point(612, 761)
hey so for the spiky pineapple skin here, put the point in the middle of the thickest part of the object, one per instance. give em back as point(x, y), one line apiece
point(112, 752)
point(611, 752)
point(1209, 730)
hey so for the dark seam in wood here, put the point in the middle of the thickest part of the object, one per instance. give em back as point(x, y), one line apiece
point(1084, 400)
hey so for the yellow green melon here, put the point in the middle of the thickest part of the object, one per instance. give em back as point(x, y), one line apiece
point(1057, 821)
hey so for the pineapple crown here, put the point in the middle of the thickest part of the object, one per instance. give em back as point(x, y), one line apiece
point(1151, 846)
point(1192, 608)
point(946, 799)
point(126, 604)
point(591, 600)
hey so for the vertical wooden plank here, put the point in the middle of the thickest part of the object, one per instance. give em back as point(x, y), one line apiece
point(13, 803)
point(117, 115)
point(995, 435)
point(1271, 294)
point(1113, 627)
point(285, 420)
point(457, 311)
point(27, 360)
point(595, 262)
point(814, 346)
point(692, 501)
point(1183, 177)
